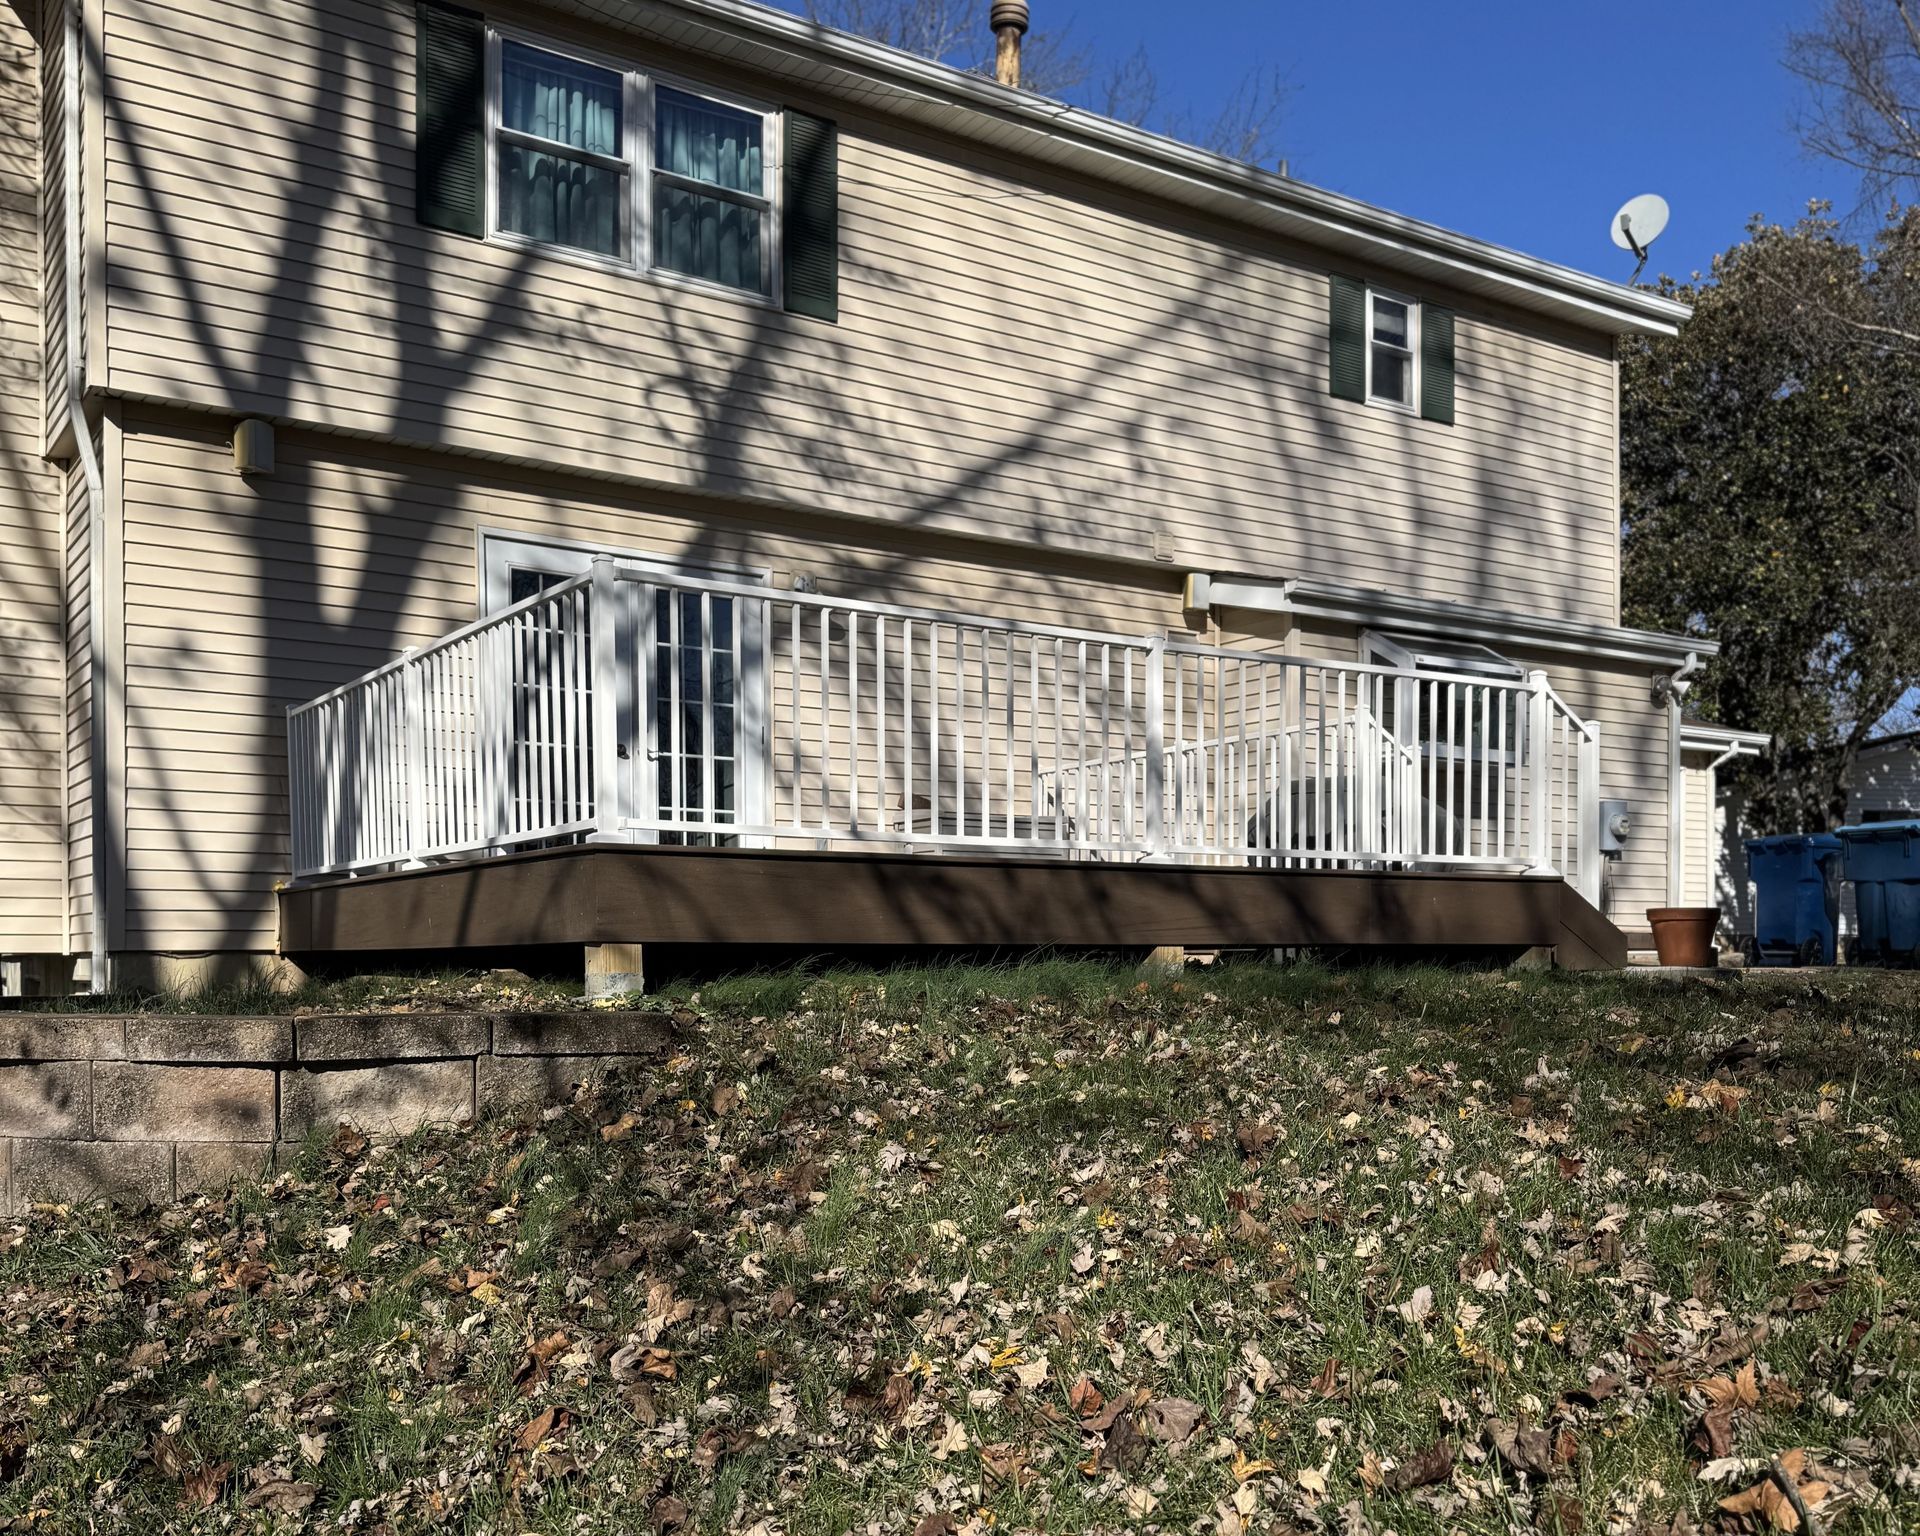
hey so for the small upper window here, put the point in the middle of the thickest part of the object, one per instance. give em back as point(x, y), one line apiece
point(616, 164)
point(1391, 377)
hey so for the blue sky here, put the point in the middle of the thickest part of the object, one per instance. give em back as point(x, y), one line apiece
point(1522, 122)
point(1525, 122)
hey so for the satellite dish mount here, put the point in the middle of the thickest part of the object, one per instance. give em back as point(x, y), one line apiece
point(1637, 225)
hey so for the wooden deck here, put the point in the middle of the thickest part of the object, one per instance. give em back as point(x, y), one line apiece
point(647, 894)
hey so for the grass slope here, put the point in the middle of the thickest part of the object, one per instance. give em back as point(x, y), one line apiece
point(1045, 1249)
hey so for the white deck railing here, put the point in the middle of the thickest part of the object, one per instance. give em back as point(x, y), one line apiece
point(633, 706)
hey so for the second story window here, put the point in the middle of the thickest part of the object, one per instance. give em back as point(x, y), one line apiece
point(561, 160)
point(710, 203)
point(619, 165)
point(1391, 345)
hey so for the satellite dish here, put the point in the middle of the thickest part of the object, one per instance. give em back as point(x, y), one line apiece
point(1637, 225)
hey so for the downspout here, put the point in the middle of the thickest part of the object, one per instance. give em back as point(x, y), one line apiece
point(74, 274)
point(1673, 686)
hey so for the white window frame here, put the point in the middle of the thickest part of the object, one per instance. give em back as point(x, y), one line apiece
point(1460, 658)
point(500, 552)
point(635, 163)
point(1411, 405)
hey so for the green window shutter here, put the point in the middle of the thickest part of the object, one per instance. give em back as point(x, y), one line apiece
point(1436, 364)
point(449, 120)
point(1347, 338)
point(810, 216)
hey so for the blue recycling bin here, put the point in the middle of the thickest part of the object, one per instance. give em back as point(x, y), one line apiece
point(1796, 898)
point(1883, 862)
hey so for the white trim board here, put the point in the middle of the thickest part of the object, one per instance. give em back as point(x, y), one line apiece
point(1441, 620)
point(498, 551)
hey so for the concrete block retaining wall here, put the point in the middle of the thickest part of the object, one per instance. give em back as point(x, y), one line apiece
point(150, 1107)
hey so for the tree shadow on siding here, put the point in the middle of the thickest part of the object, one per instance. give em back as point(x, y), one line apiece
point(728, 401)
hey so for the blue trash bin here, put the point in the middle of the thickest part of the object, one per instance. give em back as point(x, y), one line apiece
point(1883, 862)
point(1796, 898)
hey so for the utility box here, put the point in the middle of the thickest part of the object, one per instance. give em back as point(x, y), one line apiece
point(1616, 826)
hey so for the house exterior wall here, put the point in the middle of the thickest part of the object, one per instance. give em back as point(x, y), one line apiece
point(1019, 358)
point(31, 820)
point(246, 595)
point(1044, 400)
point(1886, 784)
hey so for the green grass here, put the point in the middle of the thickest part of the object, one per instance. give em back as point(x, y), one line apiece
point(1174, 1187)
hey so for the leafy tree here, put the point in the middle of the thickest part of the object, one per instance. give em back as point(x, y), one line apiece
point(1771, 495)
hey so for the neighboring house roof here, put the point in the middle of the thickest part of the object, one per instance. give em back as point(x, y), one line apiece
point(971, 107)
point(1703, 736)
point(1899, 739)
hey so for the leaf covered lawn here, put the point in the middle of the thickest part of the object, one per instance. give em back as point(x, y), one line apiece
point(953, 1251)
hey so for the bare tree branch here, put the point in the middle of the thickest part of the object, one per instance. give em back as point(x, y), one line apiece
point(1055, 62)
point(1862, 64)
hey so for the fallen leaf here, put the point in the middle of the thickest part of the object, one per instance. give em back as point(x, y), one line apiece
point(1521, 1449)
point(1433, 1465)
point(1767, 1502)
point(536, 1430)
point(1174, 1420)
point(1418, 1307)
point(1084, 1398)
point(282, 1497)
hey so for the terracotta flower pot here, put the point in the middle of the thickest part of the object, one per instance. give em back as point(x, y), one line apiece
point(1684, 935)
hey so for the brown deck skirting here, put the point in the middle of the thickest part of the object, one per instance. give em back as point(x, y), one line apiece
point(619, 894)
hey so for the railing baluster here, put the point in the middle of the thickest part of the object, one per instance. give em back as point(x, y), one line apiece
point(959, 731)
point(853, 720)
point(823, 743)
point(906, 671)
point(880, 723)
point(1009, 742)
point(1080, 738)
point(933, 729)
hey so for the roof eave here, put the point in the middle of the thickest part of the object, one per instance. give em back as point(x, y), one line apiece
point(836, 62)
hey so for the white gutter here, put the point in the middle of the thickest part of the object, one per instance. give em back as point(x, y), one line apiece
point(1313, 213)
point(73, 272)
point(1441, 620)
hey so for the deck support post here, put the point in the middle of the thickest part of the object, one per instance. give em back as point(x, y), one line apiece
point(614, 969)
point(1164, 960)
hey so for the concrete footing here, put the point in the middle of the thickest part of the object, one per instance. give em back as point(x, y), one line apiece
point(614, 970)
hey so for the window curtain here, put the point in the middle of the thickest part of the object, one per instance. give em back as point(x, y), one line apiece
point(717, 238)
point(547, 195)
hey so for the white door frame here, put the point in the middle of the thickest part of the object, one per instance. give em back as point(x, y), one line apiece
point(500, 552)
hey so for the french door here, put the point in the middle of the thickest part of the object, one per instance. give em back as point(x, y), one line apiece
point(683, 740)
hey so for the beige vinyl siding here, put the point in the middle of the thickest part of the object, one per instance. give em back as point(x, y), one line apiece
point(243, 598)
point(1017, 359)
point(1698, 844)
point(31, 812)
